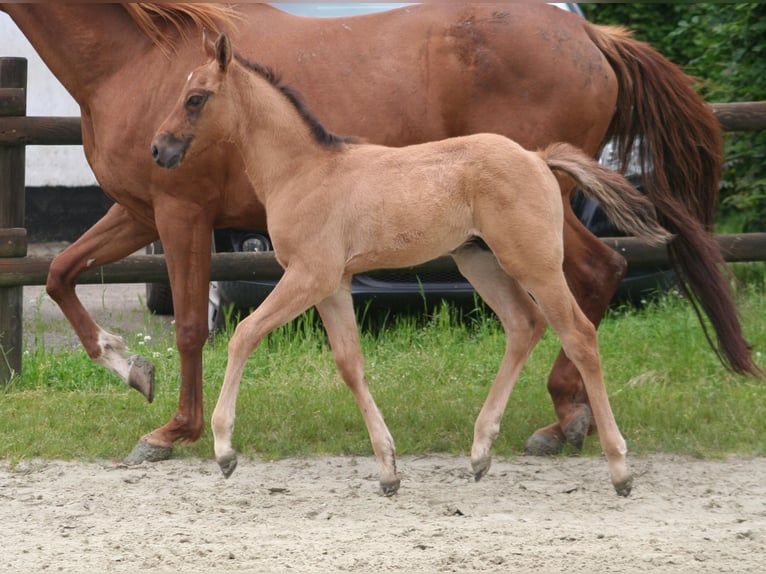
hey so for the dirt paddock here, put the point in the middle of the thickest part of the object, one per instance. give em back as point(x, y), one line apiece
point(325, 514)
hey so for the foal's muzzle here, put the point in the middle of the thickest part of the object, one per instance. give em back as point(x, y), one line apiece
point(168, 151)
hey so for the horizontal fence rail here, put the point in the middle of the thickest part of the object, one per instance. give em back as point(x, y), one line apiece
point(30, 130)
point(264, 266)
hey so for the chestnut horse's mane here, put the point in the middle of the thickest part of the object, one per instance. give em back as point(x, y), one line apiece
point(149, 16)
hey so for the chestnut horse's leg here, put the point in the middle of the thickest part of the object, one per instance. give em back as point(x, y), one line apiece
point(113, 237)
point(594, 272)
point(185, 230)
point(523, 327)
point(337, 313)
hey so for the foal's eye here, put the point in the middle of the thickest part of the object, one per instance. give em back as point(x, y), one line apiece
point(195, 101)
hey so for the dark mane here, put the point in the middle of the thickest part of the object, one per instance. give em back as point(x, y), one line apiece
point(321, 135)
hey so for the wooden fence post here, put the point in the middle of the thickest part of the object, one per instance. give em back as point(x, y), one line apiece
point(13, 84)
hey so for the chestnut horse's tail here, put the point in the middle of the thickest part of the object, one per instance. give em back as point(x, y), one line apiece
point(629, 209)
point(679, 147)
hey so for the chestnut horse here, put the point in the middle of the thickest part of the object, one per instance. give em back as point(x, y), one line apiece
point(531, 72)
point(366, 206)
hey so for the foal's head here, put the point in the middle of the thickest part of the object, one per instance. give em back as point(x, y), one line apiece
point(204, 114)
point(211, 107)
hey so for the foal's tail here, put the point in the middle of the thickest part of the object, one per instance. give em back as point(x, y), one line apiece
point(628, 208)
point(678, 140)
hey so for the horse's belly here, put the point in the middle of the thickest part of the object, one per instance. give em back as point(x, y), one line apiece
point(398, 245)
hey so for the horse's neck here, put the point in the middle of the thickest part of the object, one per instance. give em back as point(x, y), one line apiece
point(273, 138)
point(82, 44)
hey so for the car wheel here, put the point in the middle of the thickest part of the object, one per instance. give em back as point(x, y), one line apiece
point(159, 297)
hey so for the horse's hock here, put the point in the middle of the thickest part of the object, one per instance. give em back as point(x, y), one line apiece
point(17, 268)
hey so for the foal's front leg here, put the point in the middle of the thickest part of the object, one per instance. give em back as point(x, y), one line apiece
point(337, 312)
point(294, 294)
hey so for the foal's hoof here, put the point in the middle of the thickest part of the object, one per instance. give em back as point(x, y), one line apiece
point(481, 467)
point(624, 487)
point(577, 427)
point(141, 376)
point(228, 464)
point(390, 487)
point(147, 452)
point(540, 444)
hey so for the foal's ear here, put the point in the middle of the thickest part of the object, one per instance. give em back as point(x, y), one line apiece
point(208, 43)
point(223, 51)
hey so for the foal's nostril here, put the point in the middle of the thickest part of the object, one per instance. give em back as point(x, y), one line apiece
point(155, 152)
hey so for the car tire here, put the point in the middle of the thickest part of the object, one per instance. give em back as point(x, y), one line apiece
point(159, 297)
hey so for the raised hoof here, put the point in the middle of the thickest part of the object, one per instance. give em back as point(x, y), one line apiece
point(577, 428)
point(481, 467)
point(147, 452)
point(543, 445)
point(141, 376)
point(390, 488)
point(624, 487)
point(228, 465)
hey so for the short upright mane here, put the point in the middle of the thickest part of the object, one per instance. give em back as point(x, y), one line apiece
point(318, 131)
point(149, 16)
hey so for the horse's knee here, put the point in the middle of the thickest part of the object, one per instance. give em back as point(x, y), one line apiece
point(59, 280)
point(350, 365)
point(191, 335)
point(241, 342)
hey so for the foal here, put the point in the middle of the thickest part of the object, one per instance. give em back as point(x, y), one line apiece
point(337, 208)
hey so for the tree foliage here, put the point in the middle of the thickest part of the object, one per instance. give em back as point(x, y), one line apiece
point(724, 46)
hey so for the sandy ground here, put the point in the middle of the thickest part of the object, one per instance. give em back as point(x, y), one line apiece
point(326, 514)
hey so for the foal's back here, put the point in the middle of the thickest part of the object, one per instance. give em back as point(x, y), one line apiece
point(396, 207)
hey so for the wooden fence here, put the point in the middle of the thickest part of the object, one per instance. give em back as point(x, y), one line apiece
point(18, 269)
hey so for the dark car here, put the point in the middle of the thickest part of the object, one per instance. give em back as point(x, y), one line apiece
point(391, 288)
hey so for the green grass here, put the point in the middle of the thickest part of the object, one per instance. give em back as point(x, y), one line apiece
point(429, 376)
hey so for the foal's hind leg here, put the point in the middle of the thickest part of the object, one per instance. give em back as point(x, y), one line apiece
point(579, 341)
point(523, 327)
point(533, 256)
point(337, 312)
point(594, 272)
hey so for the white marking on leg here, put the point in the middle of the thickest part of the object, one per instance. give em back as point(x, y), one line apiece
point(112, 356)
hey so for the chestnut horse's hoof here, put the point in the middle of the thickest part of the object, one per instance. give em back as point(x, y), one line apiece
point(228, 464)
point(540, 444)
point(578, 425)
point(391, 487)
point(144, 451)
point(141, 376)
point(481, 467)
